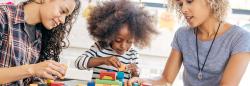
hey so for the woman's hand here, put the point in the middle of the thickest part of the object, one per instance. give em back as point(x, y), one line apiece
point(112, 61)
point(48, 69)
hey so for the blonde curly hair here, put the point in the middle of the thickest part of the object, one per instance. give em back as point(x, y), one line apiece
point(219, 8)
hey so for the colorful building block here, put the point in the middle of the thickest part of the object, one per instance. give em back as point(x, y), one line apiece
point(120, 76)
point(107, 75)
point(109, 82)
point(49, 81)
point(105, 85)
point(57, 84)
point(122, 67)
point(91, 83)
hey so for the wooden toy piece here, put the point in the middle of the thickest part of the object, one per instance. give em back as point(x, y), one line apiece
point(108, 75)
point(91, 83)
point(49, 81)
point(116, 82)
point(105, 85)
point(120, 76)
point(57, 84)
point(122, 67)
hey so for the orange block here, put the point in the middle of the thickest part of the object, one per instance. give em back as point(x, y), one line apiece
point(122, 67)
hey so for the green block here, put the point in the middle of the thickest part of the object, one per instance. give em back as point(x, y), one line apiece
point(110, 82)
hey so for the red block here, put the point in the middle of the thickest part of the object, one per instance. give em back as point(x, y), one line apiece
point(110, 75)
point(57, 84)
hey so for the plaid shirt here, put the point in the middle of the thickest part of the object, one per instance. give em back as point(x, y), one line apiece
point(15, 46)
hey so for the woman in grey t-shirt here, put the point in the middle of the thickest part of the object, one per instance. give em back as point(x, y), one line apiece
point(213, 52)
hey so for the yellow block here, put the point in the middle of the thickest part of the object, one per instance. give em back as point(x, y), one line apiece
point(105, 85)
point(122, 68)
point(107, 78)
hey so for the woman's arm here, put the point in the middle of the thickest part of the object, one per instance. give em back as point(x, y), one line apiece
point(14, 73)
point(235, 69)
point(172, 68)
point(47, 69)
point(170, 72)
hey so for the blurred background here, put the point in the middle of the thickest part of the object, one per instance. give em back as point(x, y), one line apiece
point(152, 59)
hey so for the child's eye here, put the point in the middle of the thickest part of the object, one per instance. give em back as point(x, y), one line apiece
point(118, 40)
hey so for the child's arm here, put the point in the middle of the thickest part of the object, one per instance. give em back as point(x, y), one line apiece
point(110, 61)
point(133, 66)
point(90, 59)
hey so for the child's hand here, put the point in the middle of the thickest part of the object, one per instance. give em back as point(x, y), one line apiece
point(134, 80)
point(112, 61)
point(134, 70)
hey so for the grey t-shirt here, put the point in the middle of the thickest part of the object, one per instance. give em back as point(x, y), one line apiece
point(233, 41)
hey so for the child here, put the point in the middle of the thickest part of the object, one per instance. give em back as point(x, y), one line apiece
point(116, 26)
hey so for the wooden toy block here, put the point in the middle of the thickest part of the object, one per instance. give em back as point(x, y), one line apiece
point(57, 84)
point(49, 81)
point(108, 75)
point(122, 67)
point(116, 82)
point(91, 83)
point(102, 85)
point(120, 76)
point(105, 85)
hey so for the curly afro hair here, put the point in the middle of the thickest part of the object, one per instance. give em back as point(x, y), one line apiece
point(107, 18)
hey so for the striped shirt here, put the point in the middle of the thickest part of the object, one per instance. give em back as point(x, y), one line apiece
point(15, 46)
point(131, 56)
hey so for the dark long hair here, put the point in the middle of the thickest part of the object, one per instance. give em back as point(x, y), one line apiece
point(53, 40)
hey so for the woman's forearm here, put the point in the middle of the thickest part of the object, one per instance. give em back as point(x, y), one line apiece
point(11, 74)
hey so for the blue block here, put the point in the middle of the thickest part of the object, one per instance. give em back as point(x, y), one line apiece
point(91, 83)
point(120, 76)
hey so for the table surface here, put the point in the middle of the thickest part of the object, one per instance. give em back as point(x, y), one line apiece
point(72, 82)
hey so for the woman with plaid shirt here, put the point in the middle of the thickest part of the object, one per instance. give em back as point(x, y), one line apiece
point(31, 39)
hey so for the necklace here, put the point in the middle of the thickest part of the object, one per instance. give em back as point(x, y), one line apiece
point(200, 75)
